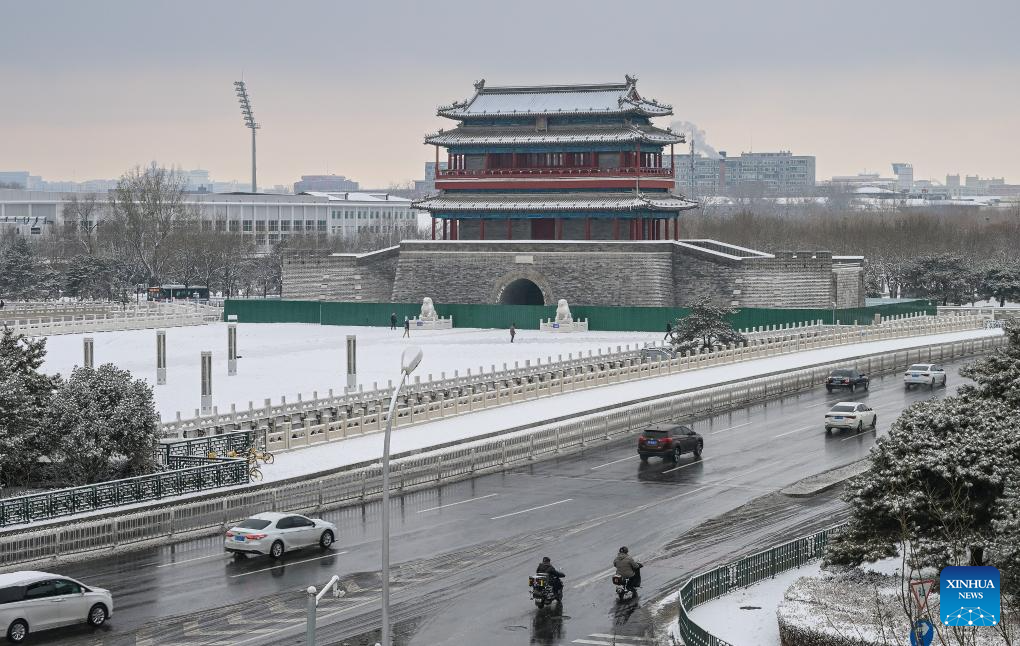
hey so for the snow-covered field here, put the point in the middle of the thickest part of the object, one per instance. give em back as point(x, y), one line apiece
point(286, 359)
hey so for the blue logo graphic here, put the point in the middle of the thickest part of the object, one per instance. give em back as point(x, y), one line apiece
point(969, 596)
point(922, 634)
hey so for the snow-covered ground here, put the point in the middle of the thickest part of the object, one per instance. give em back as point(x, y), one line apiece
point(286, 359)
point(747, 616)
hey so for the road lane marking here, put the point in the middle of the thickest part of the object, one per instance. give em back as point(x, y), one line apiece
point(689, 464)
point(266, 569)
point(629, 457)
point(422, 511)
point(796, 430)
point(524, 511)
point(723, 430)
point(857, 436)
point(302, 622)
point(598, 577)
point(628, 637)
point(197, 558)
point(615, 642)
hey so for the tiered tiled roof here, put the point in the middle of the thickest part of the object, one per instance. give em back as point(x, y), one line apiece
point(485, 135)
point(629, 201)
point(602, 98)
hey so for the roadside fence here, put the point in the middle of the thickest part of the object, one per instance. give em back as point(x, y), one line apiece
point(747, 571)
point(358, 483)
point(108, 320)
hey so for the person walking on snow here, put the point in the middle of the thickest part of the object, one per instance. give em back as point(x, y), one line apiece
point(513, 331)
point(407, 328)
point(669, 329)
point(393, 321)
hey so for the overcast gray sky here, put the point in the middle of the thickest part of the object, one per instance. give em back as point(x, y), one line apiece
point(90, 89)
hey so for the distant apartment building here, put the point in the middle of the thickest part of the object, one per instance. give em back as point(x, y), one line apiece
point(325, 183)
point(429, 184)
point(765, 173)
point(904, 176)
point(14, 177)
point(268, 219)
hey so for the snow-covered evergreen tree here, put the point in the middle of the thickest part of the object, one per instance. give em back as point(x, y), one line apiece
point(704, 328)
point(22, 274)
point(24, 395)
point(102, 423)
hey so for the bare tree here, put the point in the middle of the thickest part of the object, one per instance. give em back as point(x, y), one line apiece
point(151, 218)
point(81, 219)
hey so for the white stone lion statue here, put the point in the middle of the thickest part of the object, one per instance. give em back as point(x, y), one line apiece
point(563, 312)
point(428, 312)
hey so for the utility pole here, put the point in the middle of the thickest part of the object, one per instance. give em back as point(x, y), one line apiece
point(249, 122)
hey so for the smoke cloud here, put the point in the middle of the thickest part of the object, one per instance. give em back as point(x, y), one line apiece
point(700, 138)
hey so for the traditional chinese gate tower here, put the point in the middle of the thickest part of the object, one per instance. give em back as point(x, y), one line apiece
point(562, 162)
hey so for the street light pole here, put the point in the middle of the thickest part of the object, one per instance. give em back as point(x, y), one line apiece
point(409, 360)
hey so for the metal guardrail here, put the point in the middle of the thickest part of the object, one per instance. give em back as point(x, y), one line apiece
point(361, 482)
point(187, 476)
point(743, 573)
point(365, 410)
point(238, 442)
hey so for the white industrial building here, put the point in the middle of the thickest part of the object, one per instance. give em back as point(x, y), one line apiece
point(267, 218)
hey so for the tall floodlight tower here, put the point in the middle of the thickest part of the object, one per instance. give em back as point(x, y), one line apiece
point(249, 122)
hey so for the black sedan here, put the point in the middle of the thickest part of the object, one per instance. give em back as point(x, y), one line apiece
point(851, 379)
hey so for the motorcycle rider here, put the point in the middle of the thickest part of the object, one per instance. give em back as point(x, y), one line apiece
point(552, 574)
point(628, 568)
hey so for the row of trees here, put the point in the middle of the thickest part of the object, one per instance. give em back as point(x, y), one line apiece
point(952, 258)
point(943, 488)
point(96, 424)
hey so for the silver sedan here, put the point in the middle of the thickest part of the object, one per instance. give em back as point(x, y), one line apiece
point(274, 533)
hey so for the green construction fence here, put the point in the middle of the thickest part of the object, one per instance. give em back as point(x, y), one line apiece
point(630, 319)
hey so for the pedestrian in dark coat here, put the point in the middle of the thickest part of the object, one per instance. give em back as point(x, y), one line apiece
point(669, 329)
point(407, 327)
point(513, 331)
point(393, 321)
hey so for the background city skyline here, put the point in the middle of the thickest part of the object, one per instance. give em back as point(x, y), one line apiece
point(95, 89)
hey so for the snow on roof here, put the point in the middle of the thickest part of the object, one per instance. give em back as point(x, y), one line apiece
point(598, 98)
point(25, 576)
point(355, 196)
point(873, 190)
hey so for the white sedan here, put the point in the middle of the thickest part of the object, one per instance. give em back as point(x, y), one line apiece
point(274, 533)
point(925, 374)
point(852, 415)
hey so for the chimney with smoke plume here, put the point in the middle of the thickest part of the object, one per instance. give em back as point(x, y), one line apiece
point(700, 139)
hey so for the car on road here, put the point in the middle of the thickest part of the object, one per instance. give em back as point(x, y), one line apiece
point(924, 374)
point(849, 378)
point(850, 415)
point(657, 354)
point(275, 533)
point(669, 442)
point(36, 601)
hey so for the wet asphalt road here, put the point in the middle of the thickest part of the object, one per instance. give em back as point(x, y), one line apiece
point(462, 553)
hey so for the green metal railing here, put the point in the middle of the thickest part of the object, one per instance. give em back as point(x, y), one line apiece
point(633, 319)
point(740, 574)
point(190, 474)
point(239, 442)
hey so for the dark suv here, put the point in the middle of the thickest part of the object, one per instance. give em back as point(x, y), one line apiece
point(849, 378)
point(668, 441)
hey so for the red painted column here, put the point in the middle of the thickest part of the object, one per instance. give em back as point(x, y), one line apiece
point(509, 226)
point(434, 226)
point(454, 234)
point(444, 228)
point(587, 228)
point(676, 228)
point(481, 229)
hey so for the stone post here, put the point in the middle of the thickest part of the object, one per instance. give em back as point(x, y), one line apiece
point(231, 348)
point(206, 383)
point(160, 357)
point(352, 361)
point(89, 354)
